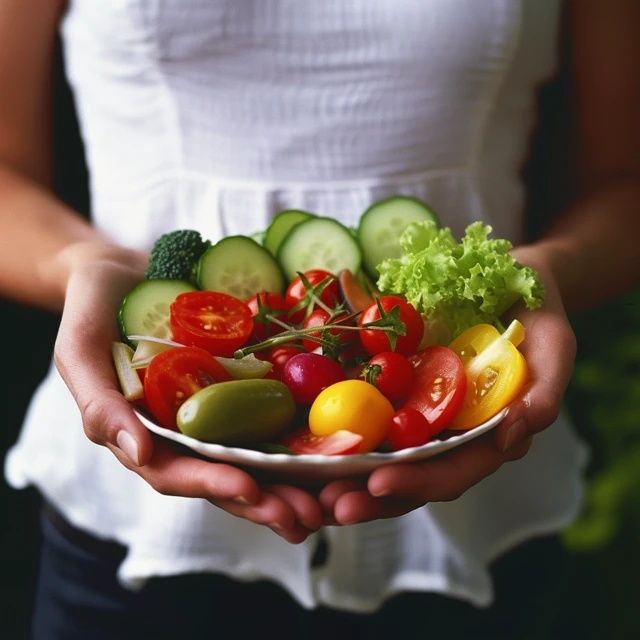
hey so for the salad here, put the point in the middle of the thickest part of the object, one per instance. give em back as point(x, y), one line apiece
point(312, 337)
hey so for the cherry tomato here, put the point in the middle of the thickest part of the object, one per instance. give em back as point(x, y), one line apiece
point(353, 405)
point(439, 386)
point(318, 318)
point(211, 320)
point(263, 303)
point(409, 428)
point(390, 372)
point(307, 374)
point(175, 375)
point(278, 357)
point(376, 341)
point(496, 371)
point(340, 443)
point(297, 293)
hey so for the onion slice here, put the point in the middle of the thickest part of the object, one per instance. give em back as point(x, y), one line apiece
point(127, 375)
point(148, 347)
point(169, 343)
point(245, 368)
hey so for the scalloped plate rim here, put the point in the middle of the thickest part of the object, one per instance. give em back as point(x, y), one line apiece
point(280, 461)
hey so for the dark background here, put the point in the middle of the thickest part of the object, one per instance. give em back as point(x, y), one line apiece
point(596, 594)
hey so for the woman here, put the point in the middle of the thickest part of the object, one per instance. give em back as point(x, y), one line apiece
point(215, 116)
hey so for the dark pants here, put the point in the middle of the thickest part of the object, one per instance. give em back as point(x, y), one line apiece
point(78, 598)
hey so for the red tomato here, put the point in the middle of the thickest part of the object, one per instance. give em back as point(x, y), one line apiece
point(297, 293)
point(390, 372)
point(175, 375)
point(307, 374)
point(267, 302)
point(278, 357)
point(318, 318)
point(409, 428)
point(211, 320)
point(439, 386)
point(376, 341)
point(340, 443)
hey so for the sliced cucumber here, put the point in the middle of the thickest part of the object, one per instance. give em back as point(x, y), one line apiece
point(280, 227)
point(319, 243)
point(145, 309)
point(382, 224)
point(239, 266)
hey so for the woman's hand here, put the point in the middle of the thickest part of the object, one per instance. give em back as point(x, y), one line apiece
point(97, 276)
point(549, 349)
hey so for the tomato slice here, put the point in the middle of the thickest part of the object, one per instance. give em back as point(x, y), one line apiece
point(214, 321)
point(175, 375)
point(496, 371)
point(340, 443)
point(439, 386)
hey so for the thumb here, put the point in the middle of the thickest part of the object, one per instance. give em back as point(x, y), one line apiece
point(549, 350)
point(107, 418)
point(82, 355)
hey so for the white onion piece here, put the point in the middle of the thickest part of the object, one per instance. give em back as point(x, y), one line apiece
point(128, 378)
point(147, 350)
point(245, 368)
point(169, 343)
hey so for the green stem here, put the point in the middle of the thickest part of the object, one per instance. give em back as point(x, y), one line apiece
point(279, 322)
point(290, 335)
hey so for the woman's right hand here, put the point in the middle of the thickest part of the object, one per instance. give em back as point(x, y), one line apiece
point(97, 276)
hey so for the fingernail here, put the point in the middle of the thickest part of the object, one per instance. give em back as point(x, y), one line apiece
point(241, 500)
point(128, 445)
point(276, 525)
point(379, 493)
point(516, 433)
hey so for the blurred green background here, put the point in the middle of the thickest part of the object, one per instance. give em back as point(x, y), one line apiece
point(597, 590)
point(604, 400)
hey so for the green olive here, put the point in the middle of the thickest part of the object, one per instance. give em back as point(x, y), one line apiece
point(238, 412)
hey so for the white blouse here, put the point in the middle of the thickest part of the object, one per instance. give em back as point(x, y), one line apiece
point(216, 115)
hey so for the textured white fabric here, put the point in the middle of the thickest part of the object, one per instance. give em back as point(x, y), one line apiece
point(215, 115)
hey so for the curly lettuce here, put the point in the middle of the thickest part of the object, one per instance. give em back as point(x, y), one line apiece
point(459, 284)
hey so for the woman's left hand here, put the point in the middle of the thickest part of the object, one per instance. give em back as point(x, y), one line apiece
point(549, 349)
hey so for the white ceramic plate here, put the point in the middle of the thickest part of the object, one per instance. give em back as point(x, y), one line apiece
point(319, 467)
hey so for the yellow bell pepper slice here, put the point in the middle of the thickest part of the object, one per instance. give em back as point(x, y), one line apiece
point(496, 371)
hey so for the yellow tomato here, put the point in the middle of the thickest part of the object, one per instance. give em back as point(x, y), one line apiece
point(353, 405)
point(496, 371)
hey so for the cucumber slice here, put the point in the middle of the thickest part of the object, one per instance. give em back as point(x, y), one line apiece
point(319, 243)
point(145, 309)
point(239, 266)
point(280, 227)
point(382, 224)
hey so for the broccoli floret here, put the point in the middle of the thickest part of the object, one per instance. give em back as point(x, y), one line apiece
point(175, 255)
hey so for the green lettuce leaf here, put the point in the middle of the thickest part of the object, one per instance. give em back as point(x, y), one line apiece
point(459, 284)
